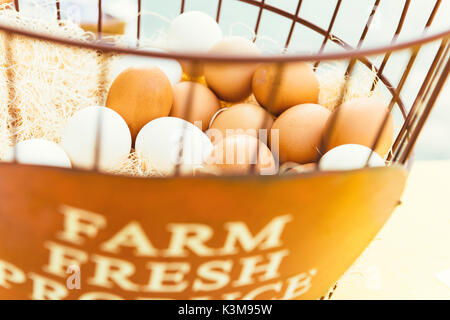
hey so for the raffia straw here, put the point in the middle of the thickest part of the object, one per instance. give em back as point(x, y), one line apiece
point(51, 81)
point(332, 80)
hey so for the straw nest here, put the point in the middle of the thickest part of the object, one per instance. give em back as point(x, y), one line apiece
point(43, 84)
point(48, 83)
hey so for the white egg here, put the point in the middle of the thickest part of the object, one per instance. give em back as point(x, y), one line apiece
point(350, 157)
point(193, 31)
point(80, 138)
point(159, 142)
point(41, 152)
point(170, 67)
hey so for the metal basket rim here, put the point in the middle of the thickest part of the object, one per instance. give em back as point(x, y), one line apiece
point(280, 58)
point(246, 177)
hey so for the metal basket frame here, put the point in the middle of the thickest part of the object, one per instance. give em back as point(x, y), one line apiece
point(32, 205)
point(414, 119)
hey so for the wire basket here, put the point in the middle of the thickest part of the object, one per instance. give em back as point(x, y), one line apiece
point(86, 234)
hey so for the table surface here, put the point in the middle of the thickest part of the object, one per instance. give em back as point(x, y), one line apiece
point(410, 257)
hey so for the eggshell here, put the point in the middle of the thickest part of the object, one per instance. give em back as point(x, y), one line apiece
point(243, 118)
point(232, 81)
point(300, 131)
point(350, 157)
point(298, 84)
point(235, 154)
point(139, 96)
point(204, 104)
point(171, 68)
point(160, 141)
point(80, 138)
point(193, 31)
point(41, 152)
point(358, 121)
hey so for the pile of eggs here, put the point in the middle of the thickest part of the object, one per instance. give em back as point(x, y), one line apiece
point(269, 119)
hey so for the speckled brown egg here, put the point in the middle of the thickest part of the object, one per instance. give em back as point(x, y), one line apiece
point(243, 118)
point(139, 96)
point(204, 103)
point(300, 130)
point(235, 154)
point(298, 84)
point(232, 81)
point(359, 121)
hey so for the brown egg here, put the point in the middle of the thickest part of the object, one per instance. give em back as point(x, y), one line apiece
point(300, 130)
point(192, 69)
point(298, 84)
point(359, 121)
point(139, 96)
point(204, 103)
point(235, 154)
point(232, 81)
point(241, 118)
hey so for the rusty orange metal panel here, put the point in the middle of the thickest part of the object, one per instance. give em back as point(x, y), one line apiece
point(180, 238)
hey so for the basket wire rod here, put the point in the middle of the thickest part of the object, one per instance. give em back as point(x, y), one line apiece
point(396, 93)
point(396, 96)
point(330, 27)
point(139, 21)
point(58, 10)
point(421, 102)
point(403, 134)
point(291, 30)
point(16, 5)
point(412, 59)
point(102, 93)
point(400, 26)
point(433, 13)
point(349, 70)
point(434, 80)
point(182, 7)
point(369, 23)
point(300, 20)
point(13, 112)
point(219, 10)
point(340, 100)
point(411, 113)
point(335, 116)
point(99, 21)
point(394, 39)
point(273, 94)
point(434, 96)
point(365, 31)
point(187, 116)
point(258, 20)
point(382, 77)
